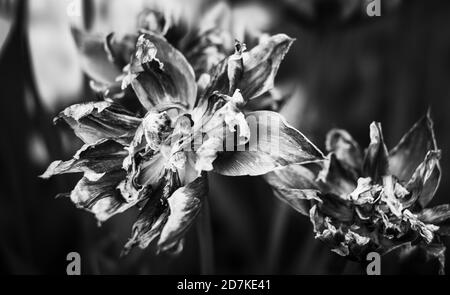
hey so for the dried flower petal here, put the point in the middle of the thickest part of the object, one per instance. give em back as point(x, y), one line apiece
point(94, 160)
point(95, 58)
point(436, 214)
point(346, 149)
point(101, 197)
point(296, 186)
point(376, 159)
point(425, 180)
point(273, 144)
point(335, 179)
point(260, 68)
point(184, 204)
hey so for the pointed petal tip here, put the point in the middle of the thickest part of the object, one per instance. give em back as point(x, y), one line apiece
point(50, 170)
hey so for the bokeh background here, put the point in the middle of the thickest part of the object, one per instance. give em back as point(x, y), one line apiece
point(345, 70)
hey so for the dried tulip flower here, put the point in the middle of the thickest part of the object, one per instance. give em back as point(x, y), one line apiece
point(158, 158)
point(372, 201)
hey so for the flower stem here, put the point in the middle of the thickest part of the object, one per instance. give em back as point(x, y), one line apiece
point(205, 240)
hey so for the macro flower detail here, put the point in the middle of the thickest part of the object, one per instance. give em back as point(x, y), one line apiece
point(156, 154)
point(361, 202)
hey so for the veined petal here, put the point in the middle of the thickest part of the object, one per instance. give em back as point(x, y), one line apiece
point(100, 120)
point(300, 199)
point(346, 149)
point(155, 213)
point(162, 74)
point(157, 21)
point(412, 149)
point(335, 179)
point(207, 45)
point(149, 224)
point(335, 207)
point(94, 160)
point(376, 159)
point(261, 65)
point(273, 144)
point(226, 128)
point(101, 197)
point(120, 49)
point(95, 58)
point(426, 178)
point(295, 177)
point(435, 215)
point(185, 204)
point(296, 185)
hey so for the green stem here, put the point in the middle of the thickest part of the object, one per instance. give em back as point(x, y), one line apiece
point(205, 240)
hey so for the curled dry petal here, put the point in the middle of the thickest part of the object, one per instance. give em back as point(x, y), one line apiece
point(365, 192)
point(273, 144)
point(154, 215)
point(425, 230)
point(425, 180)
point(412, 149)
point(346, 149)
point(227, 127)
point(95, 57)
point(149, 223)
point(184, 205)
point(168, 215)
point(120, 49)
point(437, 251)
point(101, 197)
point(211, 41)
point(296, 186)
point(336, 207)
point(235, 69)
point(94, 121)
point(157, 127)
point(161, 74)
point(155, 21)
point(94, 160)
point(376, 158)
point(335, 179)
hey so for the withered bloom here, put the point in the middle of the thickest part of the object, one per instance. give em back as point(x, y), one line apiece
point(157, 158)
point(204, 45)
point(361, 202)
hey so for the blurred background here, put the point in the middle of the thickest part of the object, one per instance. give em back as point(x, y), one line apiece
point(345, 69)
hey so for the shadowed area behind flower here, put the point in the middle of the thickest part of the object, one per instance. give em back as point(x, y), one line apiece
point(388, 69)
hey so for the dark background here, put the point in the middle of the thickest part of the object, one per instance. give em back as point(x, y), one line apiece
point(348, 70)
